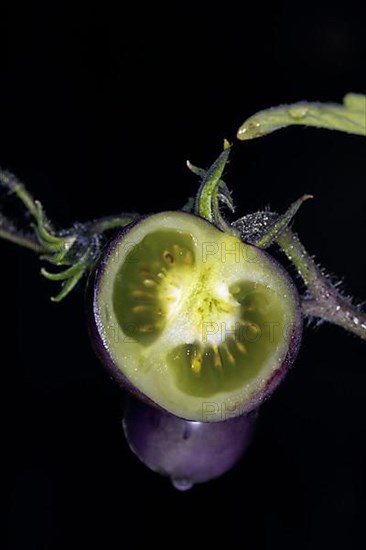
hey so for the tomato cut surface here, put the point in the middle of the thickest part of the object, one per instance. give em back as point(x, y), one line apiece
point(194, 318)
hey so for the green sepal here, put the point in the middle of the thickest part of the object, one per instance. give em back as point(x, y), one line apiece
point(213, 191)
point(279, 226)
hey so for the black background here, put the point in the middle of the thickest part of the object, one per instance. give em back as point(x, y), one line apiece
point(93, 104)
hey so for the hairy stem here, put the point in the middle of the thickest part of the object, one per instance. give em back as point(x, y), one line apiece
point(11, 182)
point(21, 240)
point(112, 222)
point(324, 300)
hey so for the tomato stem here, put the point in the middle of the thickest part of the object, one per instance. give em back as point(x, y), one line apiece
point(324, 300)
point(17, 237)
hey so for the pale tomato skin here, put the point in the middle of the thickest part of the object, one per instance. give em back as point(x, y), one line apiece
point(187, 452)
point(102, 351)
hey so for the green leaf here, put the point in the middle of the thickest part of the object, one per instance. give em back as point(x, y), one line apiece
point(349, 117)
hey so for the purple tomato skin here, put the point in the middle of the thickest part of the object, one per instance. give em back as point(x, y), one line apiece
point(185, 451)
